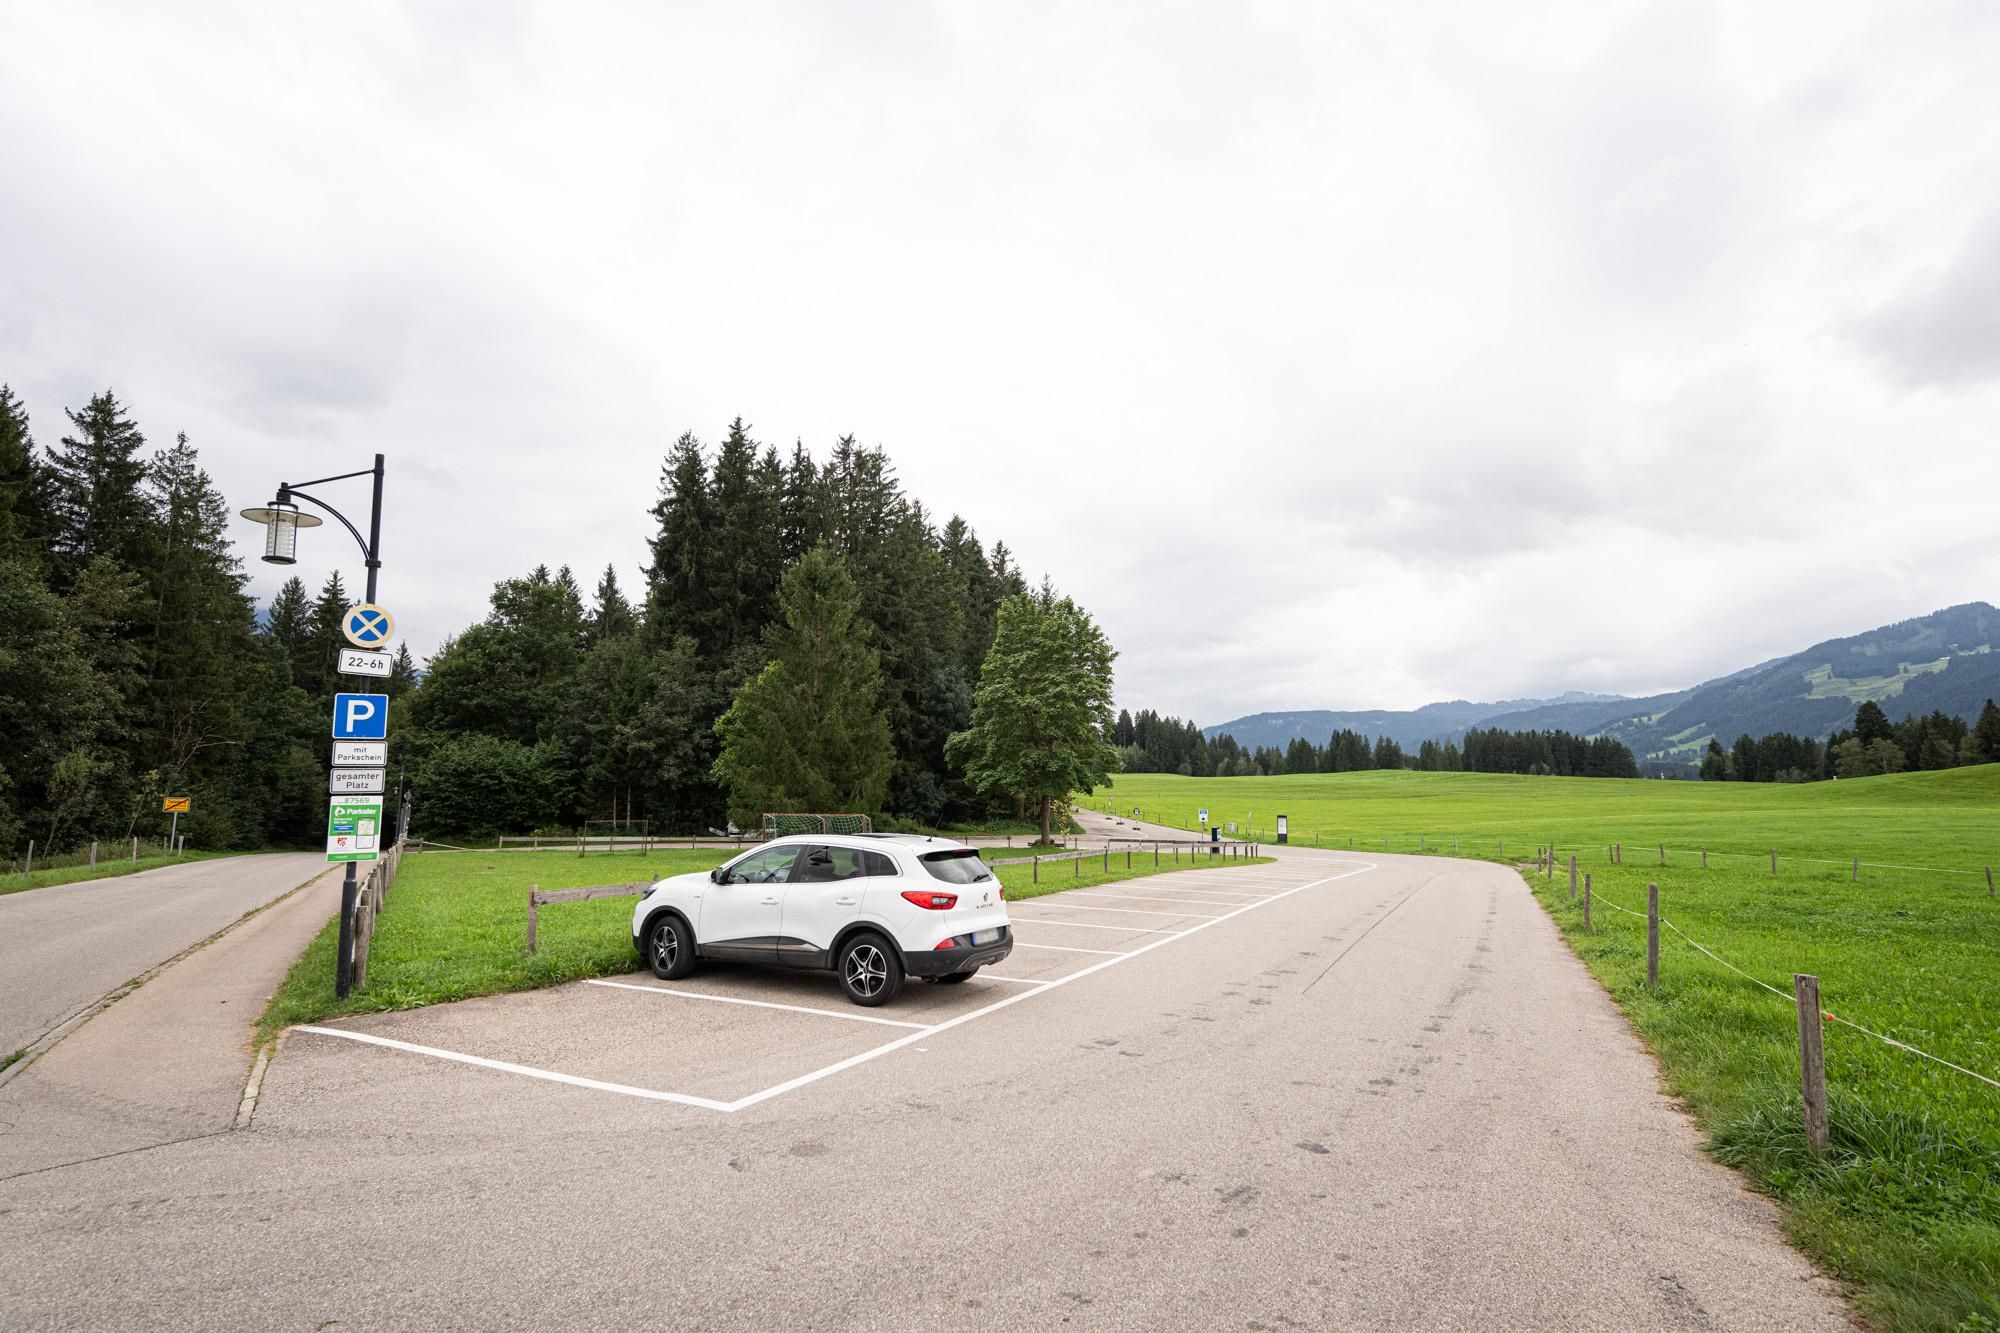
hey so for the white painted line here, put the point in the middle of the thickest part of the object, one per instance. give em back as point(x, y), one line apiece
point(1128, 911)
point(1137, 898)
point(1013, 920)
point(840, 1066)
point(528, 1071)
point(757, 1004)
point(1064, 948)
point(1018, 981)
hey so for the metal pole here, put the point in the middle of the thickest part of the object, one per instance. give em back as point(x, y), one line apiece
point(343, 978)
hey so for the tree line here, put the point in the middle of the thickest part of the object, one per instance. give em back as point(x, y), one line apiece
point(1872, 746)
point(807, 636)
point(1149, 743)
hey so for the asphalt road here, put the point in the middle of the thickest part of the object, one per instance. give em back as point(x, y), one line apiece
point(1386, 1100)
point(64, 948)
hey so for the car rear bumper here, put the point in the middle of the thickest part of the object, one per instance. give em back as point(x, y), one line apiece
point(944, 962)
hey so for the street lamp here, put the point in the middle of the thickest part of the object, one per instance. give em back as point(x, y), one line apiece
point(283, 520)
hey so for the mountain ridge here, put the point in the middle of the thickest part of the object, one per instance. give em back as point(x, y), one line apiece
point(1948, 660)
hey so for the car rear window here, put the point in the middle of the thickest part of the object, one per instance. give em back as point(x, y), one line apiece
point(960, 866)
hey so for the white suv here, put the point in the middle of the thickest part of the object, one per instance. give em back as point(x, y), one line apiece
point(873, 907)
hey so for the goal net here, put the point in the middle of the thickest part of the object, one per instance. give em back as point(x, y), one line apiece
point(783, 825)
point(615, 835)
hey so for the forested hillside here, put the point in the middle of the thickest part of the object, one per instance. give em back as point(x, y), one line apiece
point(133, 664)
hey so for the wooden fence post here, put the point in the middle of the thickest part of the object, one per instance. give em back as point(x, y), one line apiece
point(1663, 853)
point(1586, 902)
point(1855, 874)
point(534, 911)
point(1704, 858)
point(1652, 935)
point(1812, 1059)
point(1989, 881)
point(31, 856)
point(93, 853)
point(1572, 877)
point(1774, 860)
point(1035, 871)
point(1075, 866)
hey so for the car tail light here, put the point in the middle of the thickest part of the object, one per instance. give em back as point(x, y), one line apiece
point(951, 943)
point(930, 902)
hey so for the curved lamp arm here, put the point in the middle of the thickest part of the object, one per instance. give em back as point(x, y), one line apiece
point(367, 554)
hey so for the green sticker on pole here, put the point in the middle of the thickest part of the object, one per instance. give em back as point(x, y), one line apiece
point(354, 828)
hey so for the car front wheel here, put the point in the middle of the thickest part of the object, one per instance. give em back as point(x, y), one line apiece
point(669, 947)
point(870, 971)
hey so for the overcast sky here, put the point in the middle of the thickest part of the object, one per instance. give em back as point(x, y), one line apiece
point(1332, 355)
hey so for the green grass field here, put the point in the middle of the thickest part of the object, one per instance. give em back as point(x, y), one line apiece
point(456, 925)
point(1907, 1203)
point(107, 867)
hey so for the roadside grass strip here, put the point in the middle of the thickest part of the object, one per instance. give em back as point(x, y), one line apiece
point(109, 866)
point(919, 1032)
point(1906, 1201)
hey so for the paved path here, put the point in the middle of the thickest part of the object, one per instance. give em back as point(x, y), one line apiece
point(64, 948)
point(1389, 1100)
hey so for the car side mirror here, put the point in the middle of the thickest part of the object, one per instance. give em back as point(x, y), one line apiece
point(715, 875)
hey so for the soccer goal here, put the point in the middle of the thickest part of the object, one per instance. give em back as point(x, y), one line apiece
point(615, 835)
point(779, 826)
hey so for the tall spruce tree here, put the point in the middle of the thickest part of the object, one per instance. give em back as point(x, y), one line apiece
point(97, 502)
point(807, 733)
point(23, 501)
point(1985, 735)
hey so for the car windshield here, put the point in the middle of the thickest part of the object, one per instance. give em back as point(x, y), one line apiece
point(961, 866)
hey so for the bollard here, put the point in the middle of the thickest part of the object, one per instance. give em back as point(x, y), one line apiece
point(31, 856)
point(135, 851)
point(1652, 935)
point(1812, 1059)
point(93, 853)
point(1586, 902)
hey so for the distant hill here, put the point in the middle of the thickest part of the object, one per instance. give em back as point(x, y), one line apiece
point(1409, 728)
point(1948, 660)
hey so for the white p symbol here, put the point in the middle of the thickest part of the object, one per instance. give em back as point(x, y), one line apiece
point(359, 711)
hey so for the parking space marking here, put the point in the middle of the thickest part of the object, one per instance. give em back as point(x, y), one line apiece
point(1136, 898)
point(1128, 911)
point(1018, 981)
point(757, 1004)
point(921, 1032)
point(1064, 948)
point(1013, 920)
point(527, 1071)
point(841, 1066)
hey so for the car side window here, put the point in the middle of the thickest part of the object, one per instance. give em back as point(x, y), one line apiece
point(825, 865)
point(773, 865)
point(875, 863)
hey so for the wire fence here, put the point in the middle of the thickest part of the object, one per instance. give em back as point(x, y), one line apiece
point(1654, 919)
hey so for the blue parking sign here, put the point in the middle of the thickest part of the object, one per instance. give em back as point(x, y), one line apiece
point(360, 717)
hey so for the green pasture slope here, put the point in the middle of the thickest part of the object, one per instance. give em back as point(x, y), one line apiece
point(1907, 1203)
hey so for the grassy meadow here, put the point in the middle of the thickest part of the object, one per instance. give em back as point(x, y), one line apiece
point(1907, 1203)
point(456, 924)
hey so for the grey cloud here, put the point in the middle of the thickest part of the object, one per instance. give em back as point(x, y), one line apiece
point(1943, 330)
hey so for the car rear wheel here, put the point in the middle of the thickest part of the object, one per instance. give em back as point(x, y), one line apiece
point(870, 971)
point(669, 947)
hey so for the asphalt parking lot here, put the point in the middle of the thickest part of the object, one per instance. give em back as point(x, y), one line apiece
point(733, 1036)
point(1326, 1092)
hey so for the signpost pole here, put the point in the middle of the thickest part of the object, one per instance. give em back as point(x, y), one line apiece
point(350, 886)
point(173, 831)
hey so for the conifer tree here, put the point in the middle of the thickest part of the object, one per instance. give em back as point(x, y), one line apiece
point(1986, 735)
point(22, 498)
point(807, 732)
point(97, 503)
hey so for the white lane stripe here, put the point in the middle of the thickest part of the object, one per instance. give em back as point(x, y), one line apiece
point(756, 1004)
point(528, 1071)
point(1126, 911)
point(1018, 981)
point(1064, 948)
point(1137, 898)
point(840, 1066)
point(1013, 920)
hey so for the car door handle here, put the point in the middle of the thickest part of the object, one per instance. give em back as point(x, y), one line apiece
point(843, 902)
point(770, 902)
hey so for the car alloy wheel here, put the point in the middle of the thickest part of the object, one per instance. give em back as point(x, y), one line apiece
point(867, 971)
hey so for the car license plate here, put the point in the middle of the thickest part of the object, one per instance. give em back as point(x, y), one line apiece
point(985, 936)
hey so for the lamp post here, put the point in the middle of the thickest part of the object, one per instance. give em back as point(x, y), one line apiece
point(282, 519)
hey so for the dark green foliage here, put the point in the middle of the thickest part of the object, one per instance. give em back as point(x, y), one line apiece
point(1871, 724)
point(98, 506)
point(1714, 763)
point(23, 486)
point(807, 732)
point(1041, 717)
point(1986, 735)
